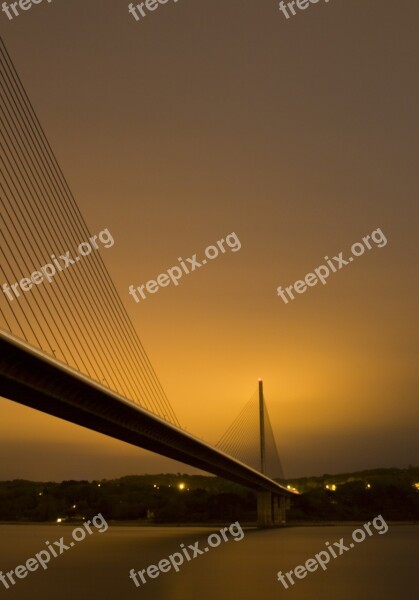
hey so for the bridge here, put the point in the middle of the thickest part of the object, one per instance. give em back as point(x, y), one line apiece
point(67, 345)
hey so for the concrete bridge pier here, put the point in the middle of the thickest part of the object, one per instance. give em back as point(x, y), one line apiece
point(271, 509)
point(279, 510)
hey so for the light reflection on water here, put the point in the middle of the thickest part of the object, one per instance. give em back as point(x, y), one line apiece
point(382, 567)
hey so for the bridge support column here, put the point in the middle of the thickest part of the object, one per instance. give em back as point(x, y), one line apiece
point(264, 509)
point(279, 507)
point(271, 509)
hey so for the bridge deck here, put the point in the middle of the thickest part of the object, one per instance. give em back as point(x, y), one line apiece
point(32, 378)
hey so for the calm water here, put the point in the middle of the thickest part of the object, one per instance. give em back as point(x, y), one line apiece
point(380, 568)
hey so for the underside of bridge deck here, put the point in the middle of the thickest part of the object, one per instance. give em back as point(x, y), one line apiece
point(31, 378)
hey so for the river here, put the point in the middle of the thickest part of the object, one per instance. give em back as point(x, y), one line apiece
point(382, 567)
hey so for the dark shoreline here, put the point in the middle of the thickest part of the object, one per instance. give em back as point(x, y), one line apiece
point(206, 525)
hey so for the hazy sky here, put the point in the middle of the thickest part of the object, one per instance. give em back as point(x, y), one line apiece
point(299, 135)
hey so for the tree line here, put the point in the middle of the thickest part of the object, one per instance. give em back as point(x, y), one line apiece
point(180, 498)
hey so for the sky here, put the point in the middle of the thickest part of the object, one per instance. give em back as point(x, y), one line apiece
point(298, 135)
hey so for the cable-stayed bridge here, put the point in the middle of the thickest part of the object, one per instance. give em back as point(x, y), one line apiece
point(67, 344)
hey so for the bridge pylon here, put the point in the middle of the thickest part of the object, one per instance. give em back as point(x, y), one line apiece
point(271, 508)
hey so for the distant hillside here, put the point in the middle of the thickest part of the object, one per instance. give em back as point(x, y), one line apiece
point(359, 495)
point(180, 498)
point(383, 476)
point(148, 498)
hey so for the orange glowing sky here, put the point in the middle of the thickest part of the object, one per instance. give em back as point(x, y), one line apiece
point(299, 136)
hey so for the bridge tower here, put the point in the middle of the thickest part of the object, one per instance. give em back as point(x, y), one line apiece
point(270, 507)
